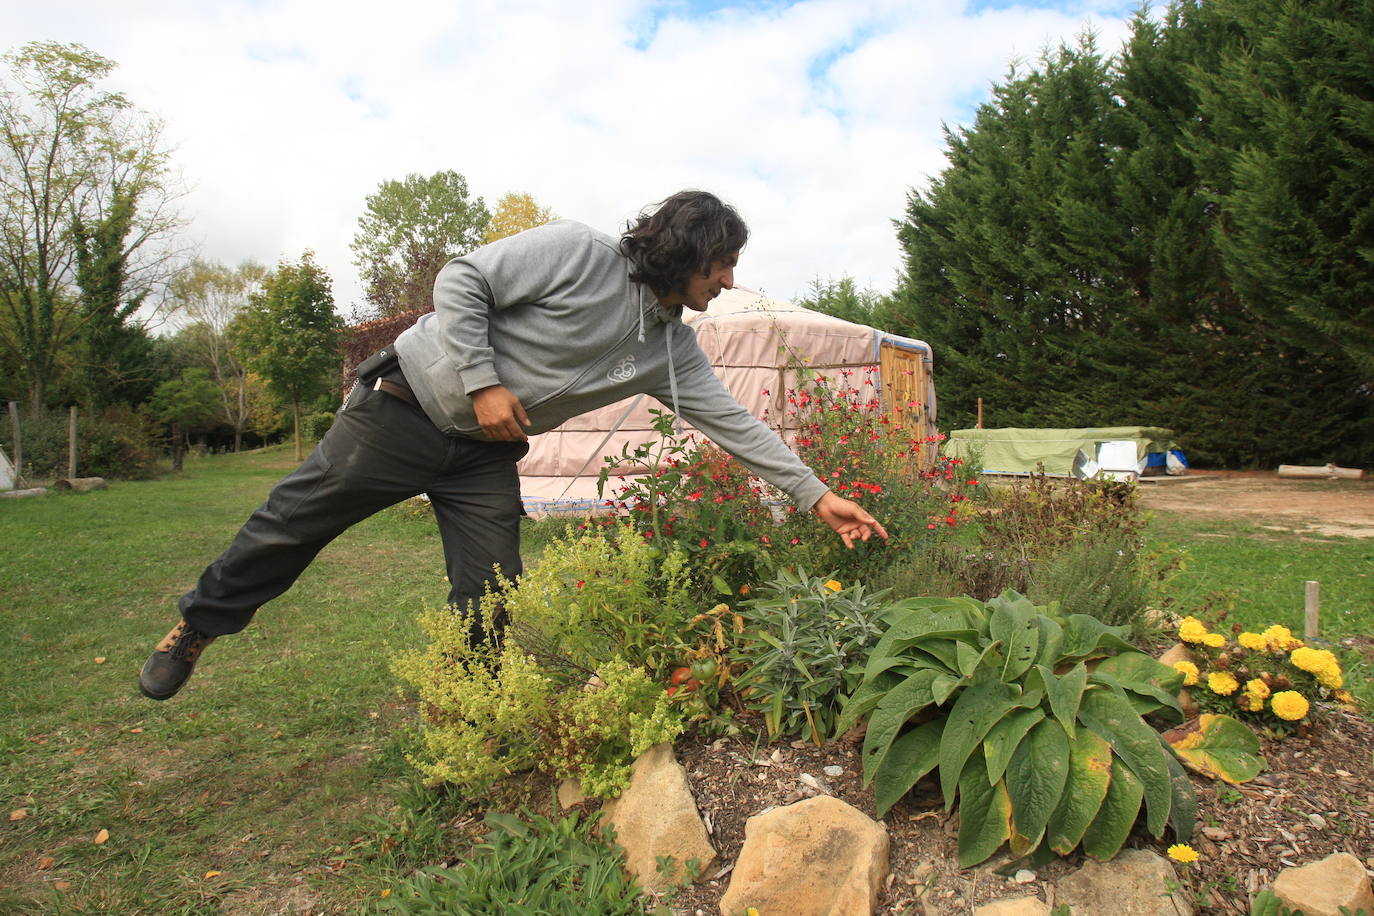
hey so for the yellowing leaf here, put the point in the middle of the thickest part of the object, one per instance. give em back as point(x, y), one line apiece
point(102, 836)
point(18, 814)
point(212, 874)
point(46, 863)
point(1218, 747)
point(100, 659)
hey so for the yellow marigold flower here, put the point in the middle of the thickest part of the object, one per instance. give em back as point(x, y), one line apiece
point(1314, 661)
point(1289, 704)
point(1280, 639)
point(1257, 688)
point(1189, 672)
point(1250, 703)
point(1191, 630)
point(1222, 683)
point(833, 585)
point(1345, 696)
point(1214, 640)
point(1252, 641)
point(1182, 852)
point(752, 911)
point(1331, 678)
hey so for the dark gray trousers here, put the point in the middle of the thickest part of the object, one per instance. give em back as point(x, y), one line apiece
point(380, 451)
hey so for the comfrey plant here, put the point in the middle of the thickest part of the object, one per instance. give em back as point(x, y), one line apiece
point(1034, 726)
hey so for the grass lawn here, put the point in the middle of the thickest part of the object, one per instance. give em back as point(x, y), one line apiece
point(276, 782)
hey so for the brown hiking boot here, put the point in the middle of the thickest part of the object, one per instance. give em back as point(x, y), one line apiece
point(172, 661)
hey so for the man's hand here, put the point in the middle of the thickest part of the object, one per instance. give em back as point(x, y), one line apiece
point(500, 413)
point(848, 519)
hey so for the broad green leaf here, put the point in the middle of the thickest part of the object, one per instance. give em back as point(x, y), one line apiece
point(1090, 770)
point(721, 588)
point(1035, 778)
point(1146, 676)
point(877, 664)
point(914, 754)
point(1051, 641)
point(943, 687)
point(1013, 625)
point(1003, 738)
point(891, 713)
point(968, 658)
point(978, 708)
point(944, 650)
point(1144, 698)
point(1084, 636)
point(984, 815)
point(1065, 693)
point(1219, 747)
point(864, 699)
point(1137, 745)
point(1108, 831)
point(1183, 812)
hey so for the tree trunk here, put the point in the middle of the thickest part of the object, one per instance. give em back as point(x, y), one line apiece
point(296, 422)
point(178, 451)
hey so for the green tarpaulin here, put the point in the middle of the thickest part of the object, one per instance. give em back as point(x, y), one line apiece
point(1019, 451)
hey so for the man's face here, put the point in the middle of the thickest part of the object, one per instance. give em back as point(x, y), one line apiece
point(702, 288)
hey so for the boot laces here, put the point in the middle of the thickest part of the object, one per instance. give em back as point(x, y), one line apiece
point(188, 643)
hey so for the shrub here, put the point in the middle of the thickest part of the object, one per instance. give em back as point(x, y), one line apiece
point(485, 713)
point(117, 442)
point(556, 868)
point(1043, 515)
point(801, 640)
point(314, 426)
point(1097, 574)
point(1040, 752)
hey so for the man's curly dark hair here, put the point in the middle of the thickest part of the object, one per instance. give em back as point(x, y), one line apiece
point(684, 235)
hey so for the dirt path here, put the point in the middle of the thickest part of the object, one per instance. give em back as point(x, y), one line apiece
point(1342, 508)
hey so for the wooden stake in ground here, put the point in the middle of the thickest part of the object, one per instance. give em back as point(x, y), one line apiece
point(18, 445)
point(1313, 595)
point(71, 444)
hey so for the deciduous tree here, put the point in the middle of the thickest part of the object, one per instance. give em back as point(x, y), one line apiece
point(408, 229)
point(289, 334)
point(516, 212)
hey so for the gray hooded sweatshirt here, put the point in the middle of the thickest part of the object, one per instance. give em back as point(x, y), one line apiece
point(552, 314)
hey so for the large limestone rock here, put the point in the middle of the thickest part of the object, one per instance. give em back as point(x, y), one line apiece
point(1178, 652)
point(819, 857)
point(1136, 883)
point(1322, 888)
point(1014, 906)
point(657, 817)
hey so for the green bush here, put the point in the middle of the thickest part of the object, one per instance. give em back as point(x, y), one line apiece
point(544, 868)
point(314, 426)
point(1041, 753)
point(573, 690)
point(117, 442)
point(1042, 515)
point(802, 639)
point(1097, 575)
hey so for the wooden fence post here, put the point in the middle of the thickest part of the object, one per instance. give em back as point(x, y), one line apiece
point(1313, 595)
point(71, 444)
point(18, 444)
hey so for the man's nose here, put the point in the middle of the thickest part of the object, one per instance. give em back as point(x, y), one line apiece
point(727, 278)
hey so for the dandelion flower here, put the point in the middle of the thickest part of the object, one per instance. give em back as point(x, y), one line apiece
point(1289, 704)
point(1253, 641)
point(834, 586)
point(1191, 630)
point(1182, 852)
point(1189, 672)
point(1222, 683)
point(1214, 640)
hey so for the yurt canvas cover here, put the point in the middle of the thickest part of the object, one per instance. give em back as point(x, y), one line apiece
point(748, 339)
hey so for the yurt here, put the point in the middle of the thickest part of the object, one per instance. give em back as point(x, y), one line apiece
point(754, 343)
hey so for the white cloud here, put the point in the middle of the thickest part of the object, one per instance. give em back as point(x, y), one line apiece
point(814, 118)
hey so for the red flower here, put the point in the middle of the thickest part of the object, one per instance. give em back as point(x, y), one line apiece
point(703, 542)
point(581, 582)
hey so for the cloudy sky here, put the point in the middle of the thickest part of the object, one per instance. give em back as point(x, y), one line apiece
point(814, 117)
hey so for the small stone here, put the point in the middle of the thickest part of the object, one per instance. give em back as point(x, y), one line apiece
point(1216, 833)
point(1024, 876)
point(833, 771)
point(1316, 820)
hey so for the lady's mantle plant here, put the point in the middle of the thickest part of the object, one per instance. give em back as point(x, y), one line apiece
point(1033, 724)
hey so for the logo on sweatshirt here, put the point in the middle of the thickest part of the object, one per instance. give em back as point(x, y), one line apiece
point(623, 371)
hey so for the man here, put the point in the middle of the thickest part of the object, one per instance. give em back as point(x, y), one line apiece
point(526, 333)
